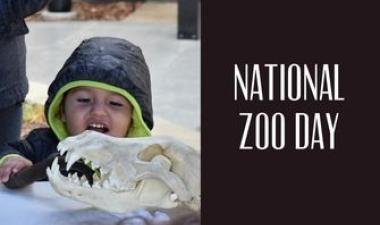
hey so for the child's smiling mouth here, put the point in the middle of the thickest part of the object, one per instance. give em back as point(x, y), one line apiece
point(99, 127)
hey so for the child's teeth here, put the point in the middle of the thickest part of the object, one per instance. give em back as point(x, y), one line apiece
point(97, 125)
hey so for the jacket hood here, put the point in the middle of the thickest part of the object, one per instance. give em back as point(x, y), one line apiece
point(109, 63)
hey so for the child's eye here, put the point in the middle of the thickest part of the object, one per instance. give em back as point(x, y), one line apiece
point(116, 103)
point(83, 100)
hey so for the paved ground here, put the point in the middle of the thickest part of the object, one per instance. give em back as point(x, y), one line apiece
point(174, 64)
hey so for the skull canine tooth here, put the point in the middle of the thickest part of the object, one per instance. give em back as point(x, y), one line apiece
point(62, 150)
point(67, 156)
point(62, 147)
point(73, 158)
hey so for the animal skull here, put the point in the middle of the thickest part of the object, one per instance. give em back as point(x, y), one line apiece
point(132, 173)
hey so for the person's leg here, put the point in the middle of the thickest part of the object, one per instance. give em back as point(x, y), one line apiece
point(11, 121)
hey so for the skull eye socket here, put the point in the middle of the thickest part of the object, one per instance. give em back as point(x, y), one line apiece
point(150, 152)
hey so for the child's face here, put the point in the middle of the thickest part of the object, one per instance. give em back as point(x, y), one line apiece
point(89, 108)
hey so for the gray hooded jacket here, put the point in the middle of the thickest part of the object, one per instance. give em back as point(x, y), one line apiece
point(13, 81)
point(110, 63)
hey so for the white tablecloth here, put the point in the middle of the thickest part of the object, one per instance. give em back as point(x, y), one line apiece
point(39, 204)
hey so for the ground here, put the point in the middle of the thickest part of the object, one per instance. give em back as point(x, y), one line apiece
point(33, 117)
point(91, 11)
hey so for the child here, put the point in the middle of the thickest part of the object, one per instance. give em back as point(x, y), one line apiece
point(103, 86)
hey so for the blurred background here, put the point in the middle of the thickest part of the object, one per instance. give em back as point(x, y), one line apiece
point(168, 33)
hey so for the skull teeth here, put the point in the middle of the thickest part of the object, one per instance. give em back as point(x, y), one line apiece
point(82, 180)
point(104, 172)
point(73, 178)
point(105, 181)
point(67, 157)
point(95, 165)
point(86, 184)
point(53, 172)
point(54, 165)
point(71, 160)
point(62, 149)
point(96, 185)
point(48, 172)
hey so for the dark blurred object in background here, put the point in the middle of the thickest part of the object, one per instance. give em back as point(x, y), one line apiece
point(188, 19)
point(59, 6)
point(65, 5)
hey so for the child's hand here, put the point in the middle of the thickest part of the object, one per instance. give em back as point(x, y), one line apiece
point(11, 165)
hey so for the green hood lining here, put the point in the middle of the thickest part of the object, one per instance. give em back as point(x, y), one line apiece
point(138, 127)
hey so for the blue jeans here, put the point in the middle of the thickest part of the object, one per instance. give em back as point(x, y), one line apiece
point(10, 122)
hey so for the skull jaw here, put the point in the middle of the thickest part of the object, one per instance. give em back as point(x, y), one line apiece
point(150, 193)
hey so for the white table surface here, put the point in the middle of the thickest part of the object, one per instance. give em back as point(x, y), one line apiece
point(39, 204)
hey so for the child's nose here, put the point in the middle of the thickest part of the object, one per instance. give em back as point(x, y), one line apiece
point(98, 109)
